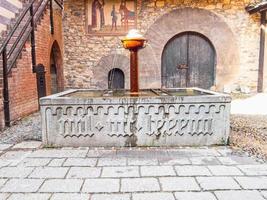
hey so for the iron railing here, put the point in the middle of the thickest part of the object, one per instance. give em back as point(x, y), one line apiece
point(13, 44)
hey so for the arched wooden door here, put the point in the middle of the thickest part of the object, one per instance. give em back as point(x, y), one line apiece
point(116, 79)
point(188, 60)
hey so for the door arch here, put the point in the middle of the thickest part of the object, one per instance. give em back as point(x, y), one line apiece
point(56, 72)
point(188, 60)
point(116, 79)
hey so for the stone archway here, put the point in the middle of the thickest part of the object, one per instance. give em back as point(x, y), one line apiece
point(105, 65)
point(56, 69)
point(195, 20)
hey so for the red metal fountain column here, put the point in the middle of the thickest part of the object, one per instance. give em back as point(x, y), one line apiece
point(133, 42)
point(134, 76)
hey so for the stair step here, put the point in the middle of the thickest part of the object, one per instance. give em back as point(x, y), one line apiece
point(16, 3)
point(4, 20)
point(2, 27)
point(6, 13)
point(10, 6)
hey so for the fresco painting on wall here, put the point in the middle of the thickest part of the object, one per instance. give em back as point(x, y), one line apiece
point(111, 17)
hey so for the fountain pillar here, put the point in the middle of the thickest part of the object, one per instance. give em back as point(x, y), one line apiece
point(134, 78)
point(133, 42)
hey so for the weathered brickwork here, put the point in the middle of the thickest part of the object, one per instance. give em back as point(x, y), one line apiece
point(233, 32)
point(22, 81)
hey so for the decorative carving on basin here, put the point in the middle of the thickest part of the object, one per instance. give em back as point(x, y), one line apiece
point(151, 121)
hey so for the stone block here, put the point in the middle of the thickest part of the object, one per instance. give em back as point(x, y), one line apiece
point(154, 196)
point(155, 171)
point(174, 161)
point(61, 186)
point(57, 162)
point(251, 183)
point(101, 186)
point(15, 172)
point(49, 172)
point(179, 184)
point(217, 183)
point(194, 196)
point(117, 172)
point(254, 169)
point(80, 162)
point(70, 196)
point(84, 172)
point(22, 185)
point(111, 197)
point(111, 162)
point(35, 162)
point(192, 171)
point(142, 161)
point(207, 160)
point(4, 196)
point(4, 146)
point(139, 185)
point(238, 195)
point(30, 196)
point(219, 170)
point(27, 145)
point(59, 153)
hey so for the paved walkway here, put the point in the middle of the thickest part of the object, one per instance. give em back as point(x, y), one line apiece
point(219, 173)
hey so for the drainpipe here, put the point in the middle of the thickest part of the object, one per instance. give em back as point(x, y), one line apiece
point(262, 52)
point(5, 90)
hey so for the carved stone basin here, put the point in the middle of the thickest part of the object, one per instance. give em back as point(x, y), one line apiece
point(171, 117)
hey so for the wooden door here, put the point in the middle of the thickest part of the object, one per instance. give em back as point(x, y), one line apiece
point(41, 82)
point(188, 60)
point(116, 79)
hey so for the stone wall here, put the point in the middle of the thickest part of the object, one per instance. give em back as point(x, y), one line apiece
point(233, 32)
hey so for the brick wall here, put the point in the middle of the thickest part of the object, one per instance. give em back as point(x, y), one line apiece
point(232, 31)
point(22, 82)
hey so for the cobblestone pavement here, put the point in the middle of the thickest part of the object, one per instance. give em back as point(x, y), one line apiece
point(219, 173)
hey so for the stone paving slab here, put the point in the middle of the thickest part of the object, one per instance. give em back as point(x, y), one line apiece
point(28, 145)
point(84, 172)
point(101, 186)
point(117, 172)
point(239, 195)
point(216, 173)
point(4, 196)
point(194, 196)
point(139, 185)
point(22, 185)
point(154, 196)
point(74, 196)
point(62, 186)
point(111, 197)
point(217, 183)
point(29, 196)
point(5, 146)
point(179, 184)
point(251, 183)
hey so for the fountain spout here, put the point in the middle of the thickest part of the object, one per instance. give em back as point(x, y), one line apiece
point(133, 42)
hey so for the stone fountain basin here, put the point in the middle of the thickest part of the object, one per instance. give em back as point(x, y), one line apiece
point(170, 117)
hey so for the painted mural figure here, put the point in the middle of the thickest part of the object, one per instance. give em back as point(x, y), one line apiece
point(98, 6)
point(127, 15)
point(114, 18)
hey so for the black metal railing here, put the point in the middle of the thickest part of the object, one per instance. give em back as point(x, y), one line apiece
point(13, 44)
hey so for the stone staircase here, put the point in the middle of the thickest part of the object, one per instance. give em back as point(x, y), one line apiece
point(9, 9)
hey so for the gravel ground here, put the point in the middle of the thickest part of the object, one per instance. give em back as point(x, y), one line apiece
point(249, 132)
point(28, 128)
